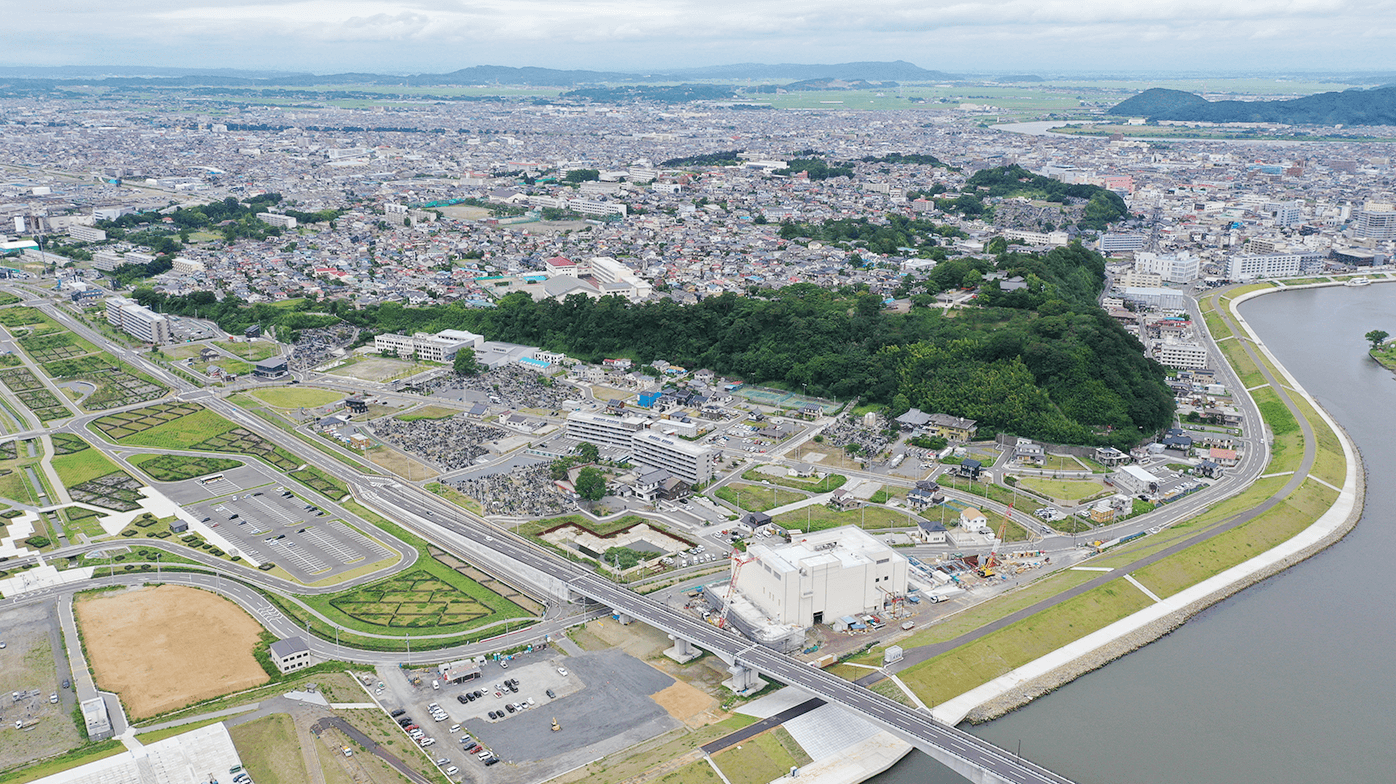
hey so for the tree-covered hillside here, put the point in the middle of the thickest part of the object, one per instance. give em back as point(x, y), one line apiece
point(1350, 107)
point(1044, 362)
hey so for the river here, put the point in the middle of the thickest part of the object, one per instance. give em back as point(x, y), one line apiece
point(1288, 682)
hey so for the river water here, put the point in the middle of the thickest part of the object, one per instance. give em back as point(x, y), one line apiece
point(1289, 682)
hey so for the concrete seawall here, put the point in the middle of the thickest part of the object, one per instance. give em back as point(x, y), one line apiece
point(1095, 650)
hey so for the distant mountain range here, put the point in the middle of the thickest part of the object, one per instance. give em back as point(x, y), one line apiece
point(1376, 106)
point(485, 74)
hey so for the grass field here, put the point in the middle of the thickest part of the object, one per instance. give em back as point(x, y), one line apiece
point(756, 498)
point(955, 672)
point(270, 751)
point(166, 425)
point(818, 518)
point(1061, 489)
point(297, 396)
point(828, 484)
point(254, 352)
point(82, 466)
point(761, 759)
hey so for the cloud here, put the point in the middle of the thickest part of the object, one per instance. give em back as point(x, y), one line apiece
point(321, 34)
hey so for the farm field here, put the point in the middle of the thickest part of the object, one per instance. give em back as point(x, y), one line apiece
point(140, 644)
point(77, 463)
point(103, 381)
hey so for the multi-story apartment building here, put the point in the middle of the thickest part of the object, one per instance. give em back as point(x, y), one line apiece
point(691, 462)
point(138, 321)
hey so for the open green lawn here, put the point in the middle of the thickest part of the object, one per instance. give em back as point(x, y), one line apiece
point(756, 498)
point(270, 750)
point(956, 672)
point(297, 396)
point(1061, 489)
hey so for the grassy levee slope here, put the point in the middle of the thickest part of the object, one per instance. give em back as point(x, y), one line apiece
point(1292, 502)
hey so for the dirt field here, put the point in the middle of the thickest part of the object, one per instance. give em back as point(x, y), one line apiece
point(162, 648)
point(687, 704)
point(378, 369)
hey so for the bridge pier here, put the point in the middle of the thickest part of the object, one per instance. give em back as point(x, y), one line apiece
point(625, 620)
point(683, 651)
point(744, 680)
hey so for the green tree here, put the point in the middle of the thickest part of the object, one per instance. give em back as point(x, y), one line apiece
point(588, 452)
point(465, 363)
point(591, 484)
point(582, 175)
point(1376, 337)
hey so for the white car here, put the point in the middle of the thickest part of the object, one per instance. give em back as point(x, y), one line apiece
point(562, 671)
point(454, 728)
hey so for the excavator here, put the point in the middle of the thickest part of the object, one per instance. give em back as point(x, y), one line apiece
point(556, 727)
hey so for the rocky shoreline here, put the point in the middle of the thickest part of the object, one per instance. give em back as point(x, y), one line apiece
point(1021, 695)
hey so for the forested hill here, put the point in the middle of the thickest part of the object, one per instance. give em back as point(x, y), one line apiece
point(1043, 362)
point(1350, 107)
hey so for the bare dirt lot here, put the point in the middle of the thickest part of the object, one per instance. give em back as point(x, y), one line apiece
point(687, 704)
point(164, 647)
point(28, 666)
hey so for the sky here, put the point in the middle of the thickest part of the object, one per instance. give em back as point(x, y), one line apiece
point(436, 36)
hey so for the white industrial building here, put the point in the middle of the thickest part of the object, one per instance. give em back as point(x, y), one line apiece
point(822, 576)
point(138, 321)
point(1133, 480)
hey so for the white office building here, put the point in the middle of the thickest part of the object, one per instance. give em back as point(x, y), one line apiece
point(1273, 265)
point(822, 576)
point(86, 234)
point(1377, 221)
point(1120, 243)
point(441, 347)
point(1133, 480)
point(1178, 354)
point(138, 321)
point(1173, 268)
point(691, 462)
point(603, 430)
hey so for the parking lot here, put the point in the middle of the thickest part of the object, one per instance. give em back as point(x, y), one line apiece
point(603, 697)
point(298, 535)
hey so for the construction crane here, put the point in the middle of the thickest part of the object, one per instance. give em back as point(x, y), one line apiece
point(987, 570)
point(739, 559)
